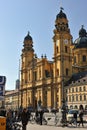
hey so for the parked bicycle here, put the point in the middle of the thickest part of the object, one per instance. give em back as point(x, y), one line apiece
point(36, 119)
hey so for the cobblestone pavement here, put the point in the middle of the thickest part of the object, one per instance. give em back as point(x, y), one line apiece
point(52, 127)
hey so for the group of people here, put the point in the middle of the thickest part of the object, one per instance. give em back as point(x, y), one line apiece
point(23, 116)
point(81, 112)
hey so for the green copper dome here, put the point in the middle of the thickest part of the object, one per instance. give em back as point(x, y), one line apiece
point(81, 42)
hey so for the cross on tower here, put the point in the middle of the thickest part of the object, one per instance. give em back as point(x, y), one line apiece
point(61, 8)
point(82, 26)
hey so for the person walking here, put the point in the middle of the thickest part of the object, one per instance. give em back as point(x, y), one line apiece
point(75, 118)
point(41, 116)
point(81, 115)
point(24, 118)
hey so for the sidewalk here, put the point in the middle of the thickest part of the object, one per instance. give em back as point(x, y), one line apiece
point(51, 127)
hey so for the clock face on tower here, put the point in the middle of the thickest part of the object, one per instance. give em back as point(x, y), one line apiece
point(66, 41)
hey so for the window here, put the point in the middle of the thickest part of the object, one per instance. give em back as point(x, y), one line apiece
point(80, 89)
point(69, 90)
point(76, 89)
point(75, 59)
point(66, 90)
point(84, 97)
point(72, 89)
point(29, 76)
point(57, 49)
point(40, 73)
point(66, 98)
point(84, 58)
point(66, 50)
point(57, 72)
point(84, 89)
point(35, 75)
point(67, 72)
point(72, 98)
point(47, 74)
point(76, 97)
point(80, 97)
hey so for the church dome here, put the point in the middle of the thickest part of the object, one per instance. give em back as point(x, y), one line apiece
point(82, 32)
point(61, 14)
point(28, 37)
point(81, 42)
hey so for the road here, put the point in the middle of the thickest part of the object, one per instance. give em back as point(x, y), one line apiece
point(52, 127)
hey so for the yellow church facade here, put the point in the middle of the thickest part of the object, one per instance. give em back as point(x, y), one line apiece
point(48, 82)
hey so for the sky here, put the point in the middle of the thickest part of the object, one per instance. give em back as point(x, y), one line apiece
point(17, 17)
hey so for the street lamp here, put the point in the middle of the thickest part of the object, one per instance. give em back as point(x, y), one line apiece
point(64, 111)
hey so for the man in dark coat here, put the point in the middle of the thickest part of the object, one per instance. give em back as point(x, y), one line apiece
point(24, 118)
point(41, 116)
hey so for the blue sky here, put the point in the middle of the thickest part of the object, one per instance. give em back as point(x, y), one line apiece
point(17, 17)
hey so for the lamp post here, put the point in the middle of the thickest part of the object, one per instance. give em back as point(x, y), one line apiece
point(64, 122)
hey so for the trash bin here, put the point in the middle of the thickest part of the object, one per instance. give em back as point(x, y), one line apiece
point(2, 123)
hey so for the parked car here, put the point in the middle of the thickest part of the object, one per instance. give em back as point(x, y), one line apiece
point(85, 116)
point(72, 111)
point(44, 109)
point(70, 114)
point(31, 109)
point(54, 110)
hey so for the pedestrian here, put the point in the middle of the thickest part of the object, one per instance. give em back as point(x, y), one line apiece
point(75, 118)
point(41, 116)
point(24, 118)
point(81, 115)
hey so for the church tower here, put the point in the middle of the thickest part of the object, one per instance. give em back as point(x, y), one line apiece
point(26, 58)
point(62, 56)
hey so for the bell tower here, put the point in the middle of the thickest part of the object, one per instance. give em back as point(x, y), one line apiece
point(62, 55)
point(26, 58)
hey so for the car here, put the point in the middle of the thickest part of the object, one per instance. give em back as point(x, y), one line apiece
point(85, 115)
point(31, 109)
point(54, 110)
point(45, 109)
point(72, 111)
point(70, 114)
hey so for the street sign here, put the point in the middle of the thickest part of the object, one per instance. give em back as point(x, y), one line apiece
point(2, 87)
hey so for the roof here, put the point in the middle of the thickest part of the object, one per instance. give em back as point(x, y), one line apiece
point(80, 77)
point(81, 42)
point(61, 14)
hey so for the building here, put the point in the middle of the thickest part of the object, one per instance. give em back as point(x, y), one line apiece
point(49, 82)
point(12, 99)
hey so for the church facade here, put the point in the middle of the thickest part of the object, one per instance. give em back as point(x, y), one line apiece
point(65, 77)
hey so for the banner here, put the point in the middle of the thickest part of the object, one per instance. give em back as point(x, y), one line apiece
point(2, 87)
